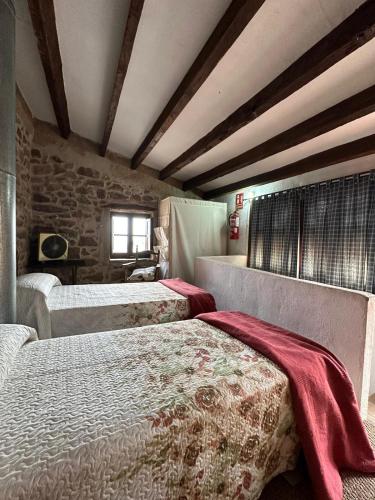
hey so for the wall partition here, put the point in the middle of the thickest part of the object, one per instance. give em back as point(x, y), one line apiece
point(341, 320)
point(7, 164)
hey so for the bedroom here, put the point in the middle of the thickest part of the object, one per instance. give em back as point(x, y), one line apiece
point(165, 139)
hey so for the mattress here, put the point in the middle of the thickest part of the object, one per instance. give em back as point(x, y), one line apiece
point(76, 309)
point(55, 310)
point(182, 411)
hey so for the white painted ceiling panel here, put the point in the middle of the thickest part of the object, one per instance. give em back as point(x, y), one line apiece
point(350, 132)
point(90, 37)
point(278, 34)
point(348, 77)
point(170, 35)
point(350, 167)
point(29, 70)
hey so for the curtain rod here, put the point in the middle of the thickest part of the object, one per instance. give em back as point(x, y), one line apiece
point(321, 183)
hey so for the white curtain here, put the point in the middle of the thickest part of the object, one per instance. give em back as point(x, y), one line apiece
point(197, 228)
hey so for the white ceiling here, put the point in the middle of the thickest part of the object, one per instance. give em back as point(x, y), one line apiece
point(169, 37)
point(29, 71)
point(90, 36)
point(278, 34)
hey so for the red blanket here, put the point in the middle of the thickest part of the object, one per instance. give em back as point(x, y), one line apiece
point(200, 301)
point(325, 408)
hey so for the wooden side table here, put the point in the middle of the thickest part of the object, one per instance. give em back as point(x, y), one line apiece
point(74, 264)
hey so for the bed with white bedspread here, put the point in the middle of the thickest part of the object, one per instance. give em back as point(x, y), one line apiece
point(56, 311)
point(182, 411)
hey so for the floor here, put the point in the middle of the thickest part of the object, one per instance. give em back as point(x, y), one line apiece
point(356, 486)
point(371, 408)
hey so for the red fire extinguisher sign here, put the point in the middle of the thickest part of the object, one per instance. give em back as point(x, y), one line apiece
point(239, 200)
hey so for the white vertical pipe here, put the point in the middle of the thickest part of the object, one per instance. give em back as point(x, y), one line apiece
point(7, 164)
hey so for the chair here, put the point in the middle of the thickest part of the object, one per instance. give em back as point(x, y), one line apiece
point(143, 260)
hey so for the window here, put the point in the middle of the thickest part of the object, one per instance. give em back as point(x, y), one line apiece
point(130, 233)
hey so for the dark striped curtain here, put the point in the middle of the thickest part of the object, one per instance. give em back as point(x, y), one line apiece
point(274, 227)
point(338, 238)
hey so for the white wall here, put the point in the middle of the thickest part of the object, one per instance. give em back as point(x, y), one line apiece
point(342, 320)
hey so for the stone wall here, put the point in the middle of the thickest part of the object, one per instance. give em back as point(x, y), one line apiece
point(70, 189)
point(24, 138)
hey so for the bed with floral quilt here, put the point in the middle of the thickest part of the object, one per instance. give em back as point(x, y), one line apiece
point(182, 411)
point(57, 311)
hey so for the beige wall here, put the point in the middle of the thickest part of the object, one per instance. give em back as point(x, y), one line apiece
point(64, 186)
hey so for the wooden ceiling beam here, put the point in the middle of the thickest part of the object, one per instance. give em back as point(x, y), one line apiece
point(44, 23)
point(344, 112)
point(231, 25)
point(134, 16)
point(339, 154)
point(351, 34)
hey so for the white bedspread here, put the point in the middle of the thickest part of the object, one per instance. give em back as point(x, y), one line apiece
point(58, 311)
point(168, 411)
point(32, 292)
point(76, 309)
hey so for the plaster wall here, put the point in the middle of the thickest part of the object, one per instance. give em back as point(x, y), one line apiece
point(233, 260)
point(342, 320)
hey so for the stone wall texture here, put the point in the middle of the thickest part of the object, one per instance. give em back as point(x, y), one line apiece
point(64, 186)
point(24, 138)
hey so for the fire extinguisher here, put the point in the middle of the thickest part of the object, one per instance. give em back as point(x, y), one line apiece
point(234, 225)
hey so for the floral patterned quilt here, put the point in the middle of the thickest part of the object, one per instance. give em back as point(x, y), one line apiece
point(76, 309)
point(175, 411)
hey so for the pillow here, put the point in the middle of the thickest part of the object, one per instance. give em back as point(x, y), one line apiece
point(32, 293)
point(143, 274)
point(12, 338)
point(40, 282)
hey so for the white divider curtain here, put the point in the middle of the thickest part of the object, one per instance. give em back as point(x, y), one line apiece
point(194, 228)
